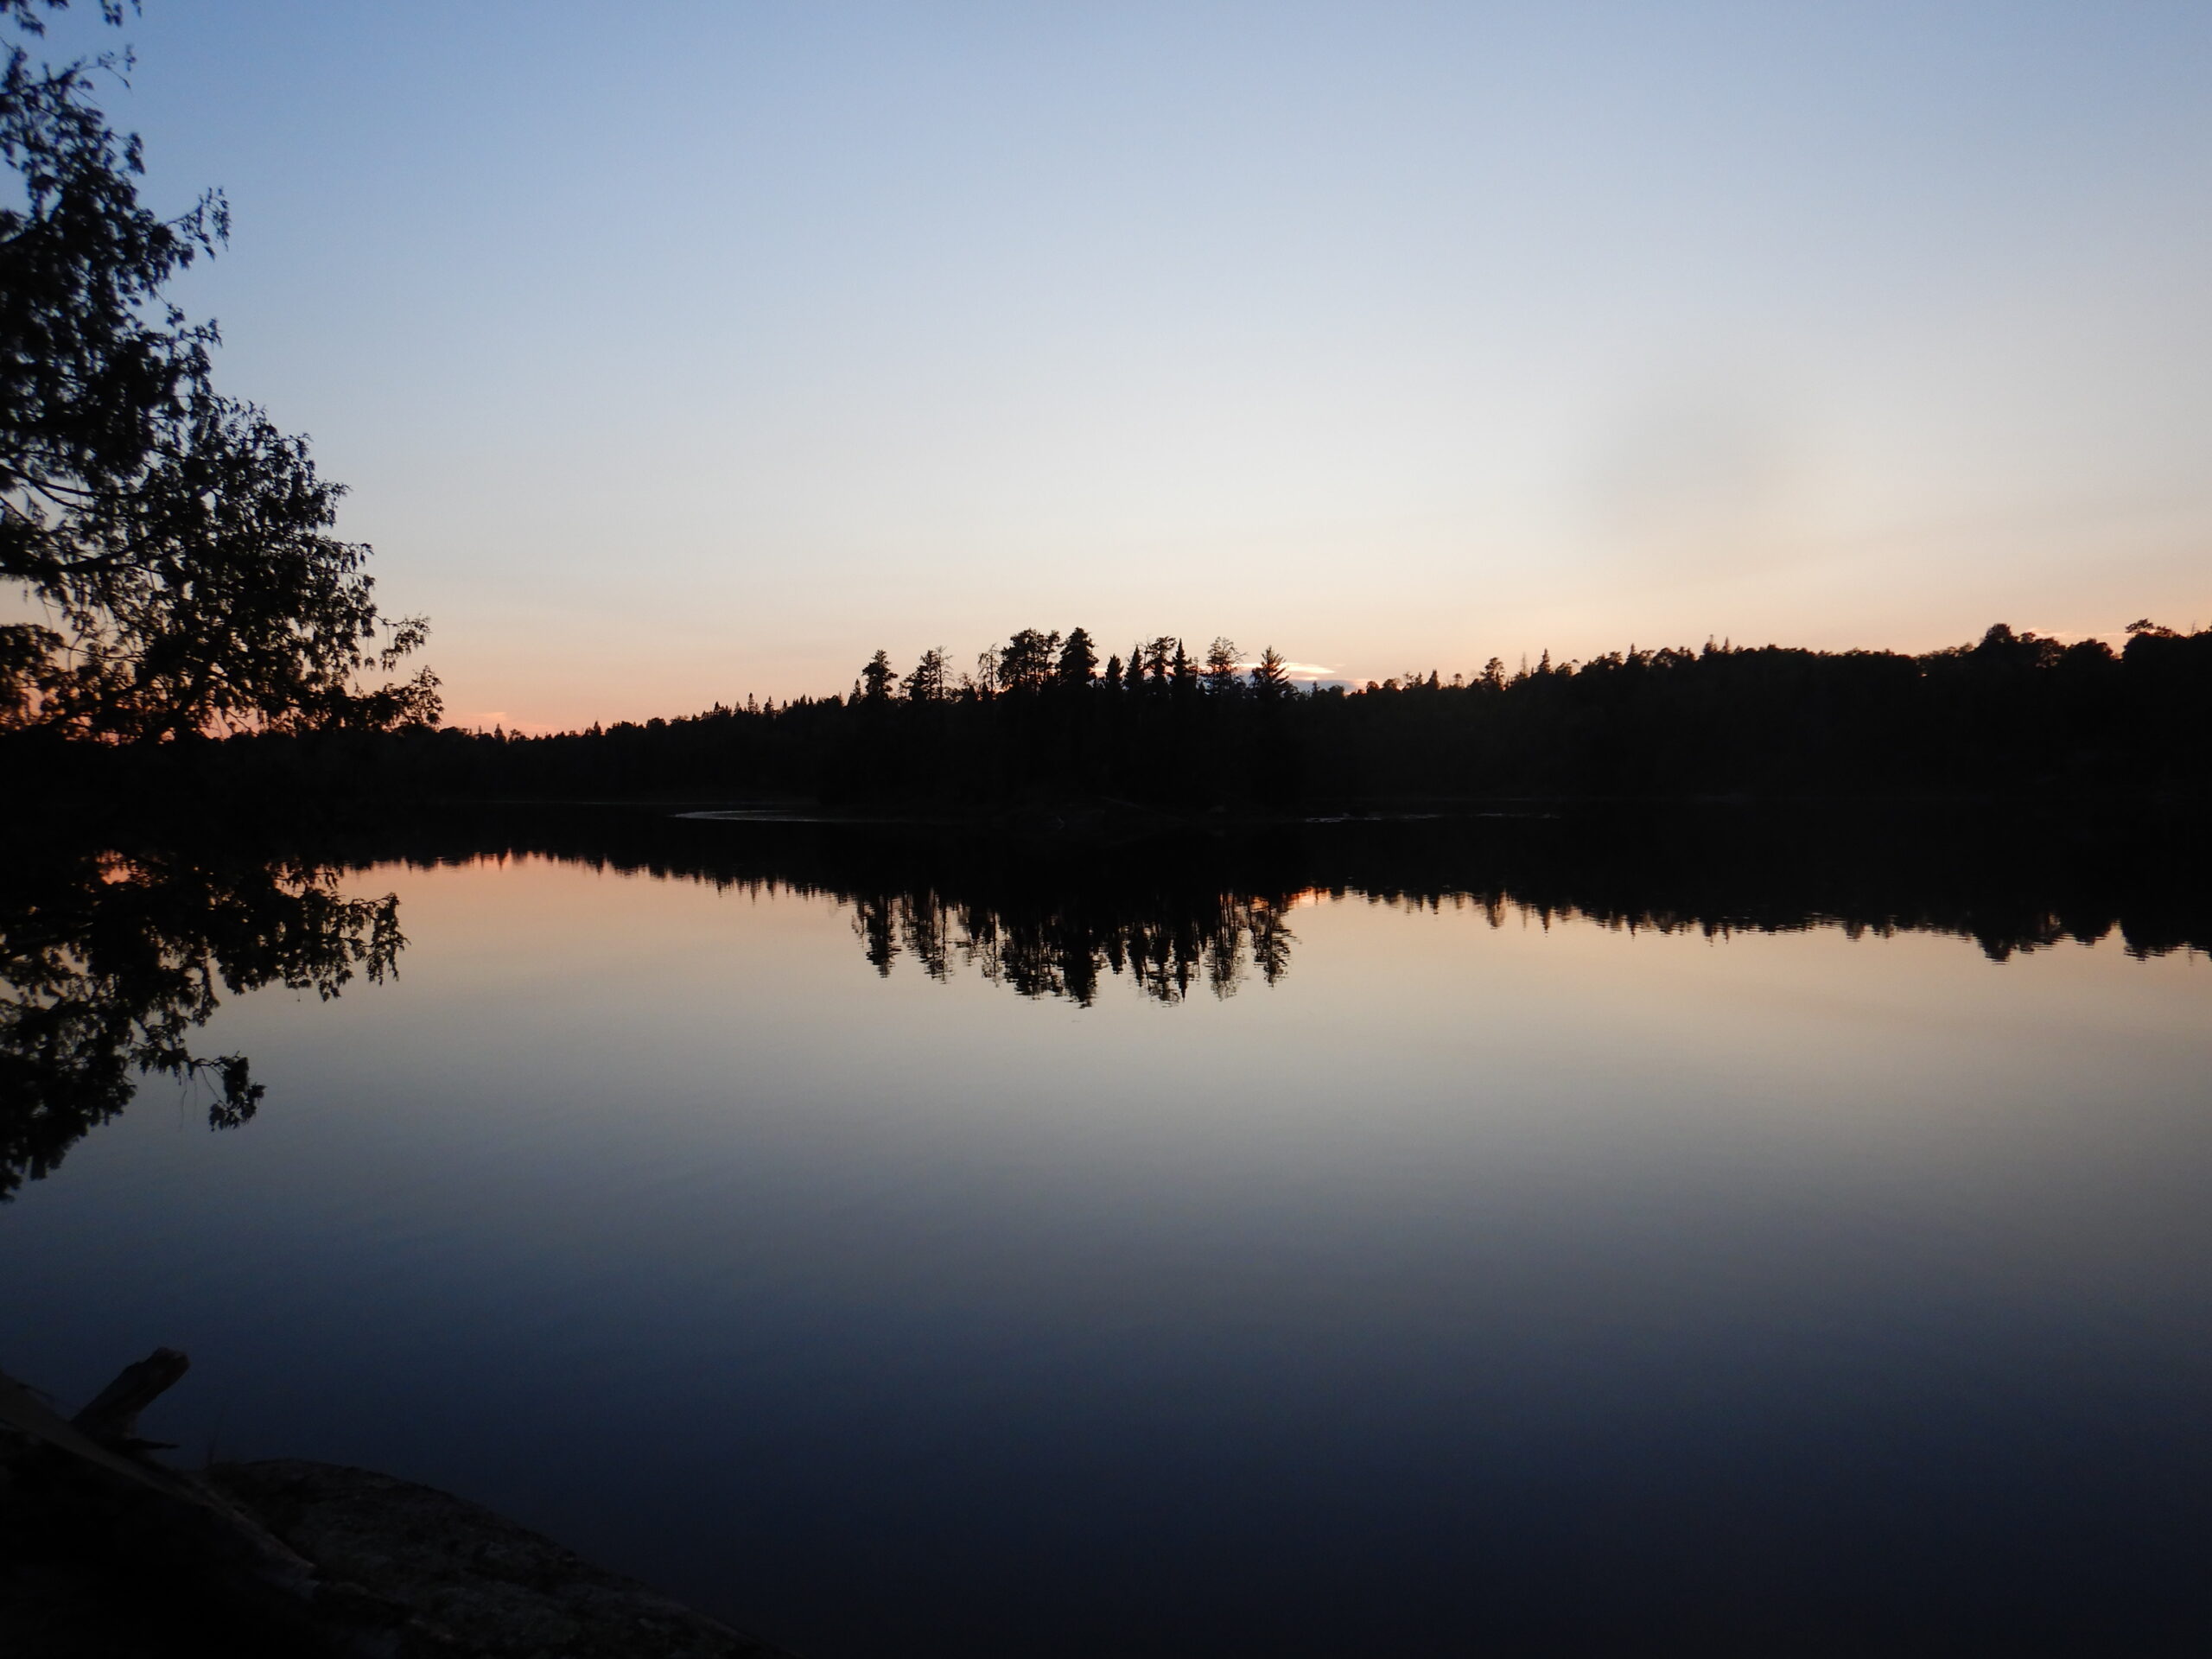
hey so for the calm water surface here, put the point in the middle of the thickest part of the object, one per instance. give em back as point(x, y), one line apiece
point(1436, 1274)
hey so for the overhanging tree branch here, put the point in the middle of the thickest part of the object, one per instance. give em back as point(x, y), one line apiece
point(181, 540)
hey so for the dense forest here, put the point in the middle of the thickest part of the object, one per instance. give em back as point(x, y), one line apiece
point(204, 639)
point(182, 624)
point(1042, 723)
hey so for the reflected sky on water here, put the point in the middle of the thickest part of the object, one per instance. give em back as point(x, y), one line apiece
point(1470, 1272)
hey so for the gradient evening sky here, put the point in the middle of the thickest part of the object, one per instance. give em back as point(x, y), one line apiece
point(679, 351)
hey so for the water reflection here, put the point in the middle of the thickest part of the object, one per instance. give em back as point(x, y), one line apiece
point(1529, 1290)
point(1216, 941)
point(1049, 918)
point(110, 962)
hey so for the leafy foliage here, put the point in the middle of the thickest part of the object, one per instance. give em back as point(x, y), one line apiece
point(176, 541)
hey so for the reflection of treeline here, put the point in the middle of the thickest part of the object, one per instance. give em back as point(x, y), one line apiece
point(1064, 948)
point(109, 963)
point(2010, 887)
point(2008, 879)
point(1041, 720)
point(108, 960)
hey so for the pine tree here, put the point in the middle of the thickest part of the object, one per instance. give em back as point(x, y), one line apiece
point(1078, 660)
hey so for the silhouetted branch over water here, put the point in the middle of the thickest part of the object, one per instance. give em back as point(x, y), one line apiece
point(175, 546)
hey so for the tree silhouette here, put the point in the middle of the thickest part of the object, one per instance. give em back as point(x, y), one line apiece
point(1028, 660)
point(927, 683)
point(176, 538)
point(1222, 676)
point(877, 679)
point(1078, 662)
point(1271, 677)
point(2010, 714)
point(1182, 672)
point(1158, 655)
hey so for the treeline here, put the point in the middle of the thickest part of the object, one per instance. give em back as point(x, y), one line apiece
point(1042, 721)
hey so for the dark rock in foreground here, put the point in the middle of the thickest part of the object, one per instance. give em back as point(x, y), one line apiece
point(106, 1554)
point(475, 1582)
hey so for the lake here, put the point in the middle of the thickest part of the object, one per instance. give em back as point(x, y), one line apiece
point(1516, 1236)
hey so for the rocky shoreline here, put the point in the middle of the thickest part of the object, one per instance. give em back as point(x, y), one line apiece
point(105, 1551)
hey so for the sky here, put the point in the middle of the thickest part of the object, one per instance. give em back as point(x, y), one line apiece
point(679, 351)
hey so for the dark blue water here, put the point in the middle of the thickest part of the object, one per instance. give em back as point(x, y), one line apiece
point(1492, 1280)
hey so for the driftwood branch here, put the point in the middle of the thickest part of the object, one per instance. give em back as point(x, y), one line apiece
point(111, 1417)
point(173, 1539)
point(122, 1555)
